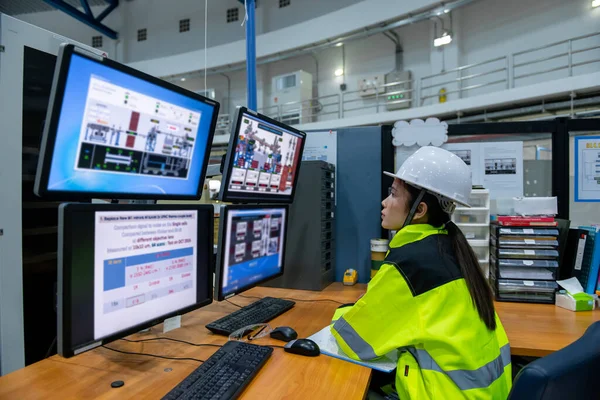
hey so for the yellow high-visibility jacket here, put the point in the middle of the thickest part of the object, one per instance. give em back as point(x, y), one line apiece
point(419, 304)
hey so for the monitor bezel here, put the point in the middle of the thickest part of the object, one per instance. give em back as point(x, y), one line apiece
point(65, 345)
point(48, 143)
point(219, 266)
point(234, 197)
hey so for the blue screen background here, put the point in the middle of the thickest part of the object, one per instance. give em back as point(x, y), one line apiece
point(244, 274)
point(64, 177)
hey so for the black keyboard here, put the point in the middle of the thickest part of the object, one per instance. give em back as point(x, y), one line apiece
point(258, 312)
point(224, 375)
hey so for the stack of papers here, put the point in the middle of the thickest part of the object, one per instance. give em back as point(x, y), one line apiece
point(328, 345)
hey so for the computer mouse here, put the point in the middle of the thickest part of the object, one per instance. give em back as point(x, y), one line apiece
point(284, 333)
point(303, 347)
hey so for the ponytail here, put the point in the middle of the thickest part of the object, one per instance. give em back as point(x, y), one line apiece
point(480, 290)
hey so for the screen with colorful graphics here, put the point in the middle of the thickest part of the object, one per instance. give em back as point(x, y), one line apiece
point(252, 243)
point(263, 160)
point(123, 135)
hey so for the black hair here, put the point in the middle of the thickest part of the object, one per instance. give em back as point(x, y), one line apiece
point(480, 290)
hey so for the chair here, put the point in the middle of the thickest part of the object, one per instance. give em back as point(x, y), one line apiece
point(570, 373)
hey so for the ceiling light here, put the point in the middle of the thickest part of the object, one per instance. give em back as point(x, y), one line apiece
point(339, 44)
point(438, 13)
point(182, 79)
point(445, 39)
point(339, 72)
point(595, 3)
point(446, 11)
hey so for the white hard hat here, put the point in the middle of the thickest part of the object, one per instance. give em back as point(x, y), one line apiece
point(439, 172)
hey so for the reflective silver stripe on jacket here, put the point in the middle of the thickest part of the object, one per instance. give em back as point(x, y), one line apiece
point(463, 378)
point(358, 345)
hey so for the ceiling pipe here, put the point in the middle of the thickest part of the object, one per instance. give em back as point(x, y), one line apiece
point(399, 52)
point(325, 44)
point(228, 91)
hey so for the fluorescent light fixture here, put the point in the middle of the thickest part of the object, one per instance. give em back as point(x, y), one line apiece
point(595, 3)
point(182, 79)
point(339, 44)
point(445, 39)
point(446, 11)
point(338, 72)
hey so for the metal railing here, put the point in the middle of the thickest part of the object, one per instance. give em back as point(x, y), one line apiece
point(496, 74)
point(303, 112)
point(462, 79)
point(562, 57)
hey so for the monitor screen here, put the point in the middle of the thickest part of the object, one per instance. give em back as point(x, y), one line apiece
point(263, 160)
point(114, 132)
point(251, 247)
point(123, 268)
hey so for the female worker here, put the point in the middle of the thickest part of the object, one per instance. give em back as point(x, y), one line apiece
point(430, 299)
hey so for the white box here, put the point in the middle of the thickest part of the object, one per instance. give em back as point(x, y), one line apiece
point(535, 205)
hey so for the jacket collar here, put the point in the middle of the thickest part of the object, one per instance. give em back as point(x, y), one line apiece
point(414, 233)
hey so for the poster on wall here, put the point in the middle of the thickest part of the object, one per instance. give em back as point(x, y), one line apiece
point(503, 169)
point(587, 169)
point(497, 166)
point(470, 153)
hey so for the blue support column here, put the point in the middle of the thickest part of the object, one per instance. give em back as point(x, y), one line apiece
point(251, 55)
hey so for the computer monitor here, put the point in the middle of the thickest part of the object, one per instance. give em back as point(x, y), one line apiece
point(251, 247)
point(263, 160)
point(115, 132)
point(123, 268)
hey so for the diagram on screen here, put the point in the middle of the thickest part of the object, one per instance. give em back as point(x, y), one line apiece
point(127, 132)
point(591, 169)
point(264, 159)
point(254, 254)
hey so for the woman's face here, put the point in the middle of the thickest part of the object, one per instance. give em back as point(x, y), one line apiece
point(395, 207)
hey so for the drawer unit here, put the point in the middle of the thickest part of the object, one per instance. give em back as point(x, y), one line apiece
point(310, 249)
point(524, 263)
point(474, 222)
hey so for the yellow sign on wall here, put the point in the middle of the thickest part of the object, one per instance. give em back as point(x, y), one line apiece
point(442, 95)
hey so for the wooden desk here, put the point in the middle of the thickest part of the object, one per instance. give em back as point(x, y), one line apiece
point(533, 330)
point(540, 329)
point(285, 375)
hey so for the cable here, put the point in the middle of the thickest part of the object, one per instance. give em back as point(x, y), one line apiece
point(154, 355)
point(205, 42)
point(246, 15)
point(51, 347)
point(293, 299)
point(248, 297)
point(316, 300)
point(233, 304)
point(173, 340)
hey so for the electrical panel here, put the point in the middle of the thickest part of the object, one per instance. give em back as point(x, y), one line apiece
point(290, 98)
point(398, 97)
point(371, 86)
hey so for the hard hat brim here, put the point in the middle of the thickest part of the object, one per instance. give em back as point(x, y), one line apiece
point(426, 188)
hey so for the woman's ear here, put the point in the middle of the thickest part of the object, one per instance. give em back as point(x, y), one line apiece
point(421, 211)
